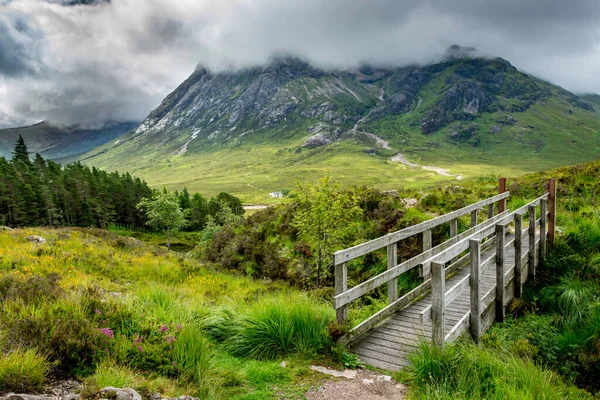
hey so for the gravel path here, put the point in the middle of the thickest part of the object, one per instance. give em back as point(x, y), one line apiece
point(366, 386)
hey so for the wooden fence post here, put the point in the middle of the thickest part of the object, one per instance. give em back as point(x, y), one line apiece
point(475, 251)
point(474, 215)
point(392, 258)
point(438, 300)
point(490, 210)
point(427, 244)
point(500, 240)
point(341, 285)
point(543, 227)
point(551, 211)
point(453, 228)
point(532, 257)
point(501, 189)
point(518, 255)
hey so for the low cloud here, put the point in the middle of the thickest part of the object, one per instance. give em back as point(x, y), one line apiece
point(86, 61)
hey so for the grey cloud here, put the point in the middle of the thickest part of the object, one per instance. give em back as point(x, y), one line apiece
point(117, 59)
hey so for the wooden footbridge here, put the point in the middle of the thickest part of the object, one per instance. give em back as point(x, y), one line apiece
point(468, 280)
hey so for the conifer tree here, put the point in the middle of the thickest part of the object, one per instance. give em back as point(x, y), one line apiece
point(20, 153)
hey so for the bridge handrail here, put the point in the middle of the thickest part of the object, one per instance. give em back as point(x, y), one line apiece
point(351, 253)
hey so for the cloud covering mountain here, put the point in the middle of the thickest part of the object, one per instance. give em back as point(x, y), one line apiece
point(87, 61)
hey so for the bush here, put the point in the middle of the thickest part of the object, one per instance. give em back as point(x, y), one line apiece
point(23, 370)
point(274, 328)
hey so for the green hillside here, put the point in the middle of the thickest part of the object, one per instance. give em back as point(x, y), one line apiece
point(255, 131)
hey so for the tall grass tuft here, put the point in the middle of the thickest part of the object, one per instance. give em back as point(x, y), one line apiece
point(279, 326)
point(193, 358)
point(466, 371)
point(23, 369)
point(571, 299)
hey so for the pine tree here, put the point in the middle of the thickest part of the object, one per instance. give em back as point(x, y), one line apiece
point(20, 153)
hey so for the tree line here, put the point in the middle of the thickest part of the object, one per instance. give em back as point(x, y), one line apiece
point(36, 192)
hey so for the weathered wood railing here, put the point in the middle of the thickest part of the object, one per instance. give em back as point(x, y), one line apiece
point(344, 295)
point(510, 276)
point(438, 262)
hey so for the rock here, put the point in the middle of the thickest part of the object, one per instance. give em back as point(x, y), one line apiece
point(347, 373)
point(391, 193)
point(384, 378)
point(13, 396)
point(5, 229)
point(115, 294)
point(36, 239)
point(368, 382)
point(495, 129)
point(410, 202)
point(120, 394)
point(283, 364)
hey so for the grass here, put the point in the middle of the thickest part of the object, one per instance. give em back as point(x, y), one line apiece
point(465, 371)
point(123, 313)
point(23, 369)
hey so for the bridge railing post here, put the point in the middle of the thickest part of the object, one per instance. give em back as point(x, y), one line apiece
point(543, 227)
point(551, 211)
point(475, 317)
point(474, 215)
point(341, 285)
point(501, 189)
point(518, 255)
point(500, 241)
point(438, 300)
point(392, 259)
point(532, 255)
point(427, 245)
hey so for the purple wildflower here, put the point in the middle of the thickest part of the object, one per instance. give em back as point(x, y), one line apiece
point(163, 328)
point(107, 332)
point(170, 339)
point(140, 349)
point(99, 312)
point(179, 327)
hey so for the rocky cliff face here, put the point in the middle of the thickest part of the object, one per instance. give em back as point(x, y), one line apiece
point(289, 95)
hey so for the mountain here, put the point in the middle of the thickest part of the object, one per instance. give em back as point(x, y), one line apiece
point(56, 142)
point(253, 131)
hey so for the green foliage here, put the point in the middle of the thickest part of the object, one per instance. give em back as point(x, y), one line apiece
point(323, 213)
point(351, 361)
point(23, 370)
point(284, 325)
point(20, 153)
point(164, 212)
point(193, 357)
point(465, 371)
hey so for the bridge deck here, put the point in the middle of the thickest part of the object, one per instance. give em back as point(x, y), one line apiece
point(388, 345)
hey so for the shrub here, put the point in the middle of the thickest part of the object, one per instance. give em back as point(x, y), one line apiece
point(23, 370)
point(275, 327)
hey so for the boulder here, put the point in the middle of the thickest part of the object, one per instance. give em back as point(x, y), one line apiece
point(119, 394)
point(36, 239)
point(5, 229)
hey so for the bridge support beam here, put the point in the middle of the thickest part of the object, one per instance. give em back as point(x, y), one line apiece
point(551, 211)
point(438, 306)
point(518, 255)
point(341, 285)
point(475, 251)
point(501, 189)
point(500, 284)
point(532, 257)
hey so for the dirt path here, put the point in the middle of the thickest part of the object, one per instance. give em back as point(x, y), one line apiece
point(365, 386)
point(400, 158)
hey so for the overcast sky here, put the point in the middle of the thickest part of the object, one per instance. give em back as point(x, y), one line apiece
point(87, 61)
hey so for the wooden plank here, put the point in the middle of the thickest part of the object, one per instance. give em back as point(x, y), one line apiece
point(341, 285)
point(551, 210)
point(438, 290)
point(371, 352)
point(392, 260)
point(381, 315)
point(502, 189)
point(425, 270)
point(387, 335)
point(474, 216)
point(543, 219)
point(378, 363)
point(500, 237)
point(532, 262)
point(459, 328)
point(367, 247)
point(373, 283)
point(475, 297)
point(518, 254)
